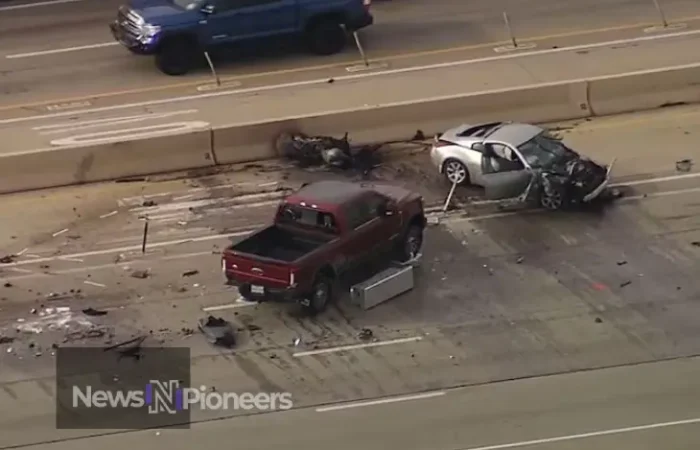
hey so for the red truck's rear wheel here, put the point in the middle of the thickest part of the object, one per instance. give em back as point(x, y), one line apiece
point(321, 294)
point(411, 244)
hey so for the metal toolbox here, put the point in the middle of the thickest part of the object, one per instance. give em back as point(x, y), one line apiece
point(383, 286)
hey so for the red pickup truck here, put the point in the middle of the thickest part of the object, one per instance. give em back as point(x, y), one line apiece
point(321, 232)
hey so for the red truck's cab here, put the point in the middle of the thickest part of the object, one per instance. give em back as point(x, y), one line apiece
point(319, 233)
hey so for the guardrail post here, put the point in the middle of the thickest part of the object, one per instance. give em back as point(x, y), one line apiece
point(509, 30)
point(661, 13)
point(213, 70)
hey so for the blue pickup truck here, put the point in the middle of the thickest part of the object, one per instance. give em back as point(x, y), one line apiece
point(178, 32)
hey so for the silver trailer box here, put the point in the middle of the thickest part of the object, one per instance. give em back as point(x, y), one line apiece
point(383, 286)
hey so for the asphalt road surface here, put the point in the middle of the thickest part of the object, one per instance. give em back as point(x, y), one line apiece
point(45, 49)
point(644, 407)
point(500, 294)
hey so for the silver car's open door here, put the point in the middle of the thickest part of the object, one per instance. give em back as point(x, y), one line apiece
point(501, 185)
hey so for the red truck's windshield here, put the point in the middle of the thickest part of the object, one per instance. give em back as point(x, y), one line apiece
point(308, 218)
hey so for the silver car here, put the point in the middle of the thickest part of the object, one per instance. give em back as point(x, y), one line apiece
point(518, 161)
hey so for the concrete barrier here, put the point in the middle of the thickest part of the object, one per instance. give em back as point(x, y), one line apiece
point(644, 90)
point(62, 166)
point(546, 102)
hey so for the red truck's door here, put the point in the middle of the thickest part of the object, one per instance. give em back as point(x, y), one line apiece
point(369, 232)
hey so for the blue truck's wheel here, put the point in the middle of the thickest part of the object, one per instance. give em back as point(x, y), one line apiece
point(326, 37)
point(176, 57)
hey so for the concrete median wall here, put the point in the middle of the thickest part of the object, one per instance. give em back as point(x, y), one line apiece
point(62, 166)
point(236, 143)
point(558, 101)
point(644, 90)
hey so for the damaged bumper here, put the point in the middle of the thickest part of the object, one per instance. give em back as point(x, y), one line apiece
point(595, 193)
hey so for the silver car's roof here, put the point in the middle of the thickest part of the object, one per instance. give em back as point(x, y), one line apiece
point(511, 133)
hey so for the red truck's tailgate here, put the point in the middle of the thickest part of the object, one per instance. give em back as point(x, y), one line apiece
point(255, 271)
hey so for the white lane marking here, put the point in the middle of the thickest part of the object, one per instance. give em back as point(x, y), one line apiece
point(242, 200)
point(138, 199)
point(183, 197)
point(573, 437)
point(58, 233)
point(22, 252)
point(87, 124)
point(72, 260)
point(344, 348)
point(92, 283)
point(240, 303)
point(382, 401)
point(376, 74)
point(658, 180)
point(109, 214)
point(36, 4)
point(109, 251)
point(130, 133)
point(124, 264)
point(61, 50)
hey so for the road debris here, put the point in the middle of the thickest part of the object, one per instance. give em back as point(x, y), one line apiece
point(94, 312)
point(6, 340)
point(8, 259)
point(520, 260)
point(365, 334)
point(626, 283)
point(92, 333)
point(149, 203)
point(695, 243)
point(217, 331)
point(8, 285)
point(252, 327)
point(190, 273)
point(621, 263)
point(684, 165)
point(141, 274)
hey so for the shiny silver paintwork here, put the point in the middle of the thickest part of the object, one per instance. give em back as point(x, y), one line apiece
point(507, 134)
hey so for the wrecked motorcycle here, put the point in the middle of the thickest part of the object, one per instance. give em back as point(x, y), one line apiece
point(310, 151)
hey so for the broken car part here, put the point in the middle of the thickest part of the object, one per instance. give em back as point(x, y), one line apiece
point(328, 151)
point(383, 286)
point(218, 331)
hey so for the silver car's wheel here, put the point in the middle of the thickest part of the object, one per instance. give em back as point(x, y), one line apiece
point(552, 201)
point(455, 172)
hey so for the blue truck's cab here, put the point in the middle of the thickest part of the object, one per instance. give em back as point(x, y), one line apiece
point(177, 32)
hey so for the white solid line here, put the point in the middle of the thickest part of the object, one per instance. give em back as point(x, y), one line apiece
point(377, 74)
point(382, 401)
point(238, 304)
point(357, 346)
point(129, 248)
point(121, 265)
point(22, 252)
point(58, 233)
point(61, 50)
point(183, 197)
point(110, 214)
point(92, 283)
point(573, 437)
point(36, 4)
point(658, 180)
point(71, 260)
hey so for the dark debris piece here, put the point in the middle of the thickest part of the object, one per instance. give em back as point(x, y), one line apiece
point(6, 340)
point(8, 259)
point(695, 243)
point(94, 312)
point(149, 203)
point(626, 283)
point(684, 165)
point(366, 334)
point(141, 274)
point(190, 273)
point(218, 331)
